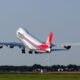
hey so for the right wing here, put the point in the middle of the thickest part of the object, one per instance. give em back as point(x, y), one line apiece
point(65, 46)
point(68, 45)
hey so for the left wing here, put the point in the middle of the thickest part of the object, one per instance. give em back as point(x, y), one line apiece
point(12, 45)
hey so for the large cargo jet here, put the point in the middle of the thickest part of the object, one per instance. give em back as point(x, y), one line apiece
point(34, 45)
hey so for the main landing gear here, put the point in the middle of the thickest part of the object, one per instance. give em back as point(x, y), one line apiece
point(23, 51)
point(30, 52)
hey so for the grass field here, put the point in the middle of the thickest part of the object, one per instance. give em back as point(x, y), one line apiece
point(35, 76)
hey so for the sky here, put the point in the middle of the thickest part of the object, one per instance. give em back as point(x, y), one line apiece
point(39, 17)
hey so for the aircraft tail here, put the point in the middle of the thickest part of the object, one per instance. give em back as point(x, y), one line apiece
point(49, 39)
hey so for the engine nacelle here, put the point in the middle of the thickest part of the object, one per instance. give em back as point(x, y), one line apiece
point(1, 46)
point(11, 46)
point(67, 47)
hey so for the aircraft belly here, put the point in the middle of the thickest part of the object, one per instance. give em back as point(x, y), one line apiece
point(29, 44)
point(30, 38)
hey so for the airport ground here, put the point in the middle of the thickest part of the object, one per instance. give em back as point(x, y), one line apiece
point(39, 76)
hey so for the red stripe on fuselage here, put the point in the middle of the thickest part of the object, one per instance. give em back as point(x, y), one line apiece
point(41, 47)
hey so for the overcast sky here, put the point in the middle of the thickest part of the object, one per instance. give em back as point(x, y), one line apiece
point(62, 17)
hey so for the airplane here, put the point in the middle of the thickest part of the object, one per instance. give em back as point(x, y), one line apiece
point(34, 45)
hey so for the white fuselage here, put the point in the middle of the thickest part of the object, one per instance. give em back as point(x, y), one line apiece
point(27, 39)
point(31, 42)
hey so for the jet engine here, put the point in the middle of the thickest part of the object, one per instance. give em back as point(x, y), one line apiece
point(67, 47)
point(1, 46)
point(11, 46)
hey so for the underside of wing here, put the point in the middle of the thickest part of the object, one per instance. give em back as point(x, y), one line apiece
point(64, 46)
point(12, 45)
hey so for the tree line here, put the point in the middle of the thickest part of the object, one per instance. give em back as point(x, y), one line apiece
point(38, 68)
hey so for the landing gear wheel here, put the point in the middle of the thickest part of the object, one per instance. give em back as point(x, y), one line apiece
point(30, 52)
point(23, 51)
point(36, 52)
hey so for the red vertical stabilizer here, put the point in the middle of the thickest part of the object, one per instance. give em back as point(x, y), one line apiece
point(49, 39)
